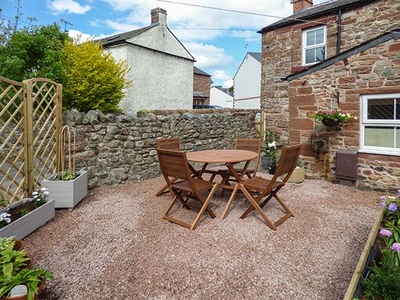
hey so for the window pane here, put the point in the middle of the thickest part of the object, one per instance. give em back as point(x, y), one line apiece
point(310, 56)
point(310, 38)
point(320, 54)
point(319, 36)
point(380, 109)
point(379, 136)
point(397, 109)
point(398, 137)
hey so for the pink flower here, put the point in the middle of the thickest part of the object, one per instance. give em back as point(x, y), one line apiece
point(385, 232)
point(396, 247)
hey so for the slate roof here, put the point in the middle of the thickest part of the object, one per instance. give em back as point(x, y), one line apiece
point(122, 37)
point(316, 11)
point(200, 72)
point(256, 55)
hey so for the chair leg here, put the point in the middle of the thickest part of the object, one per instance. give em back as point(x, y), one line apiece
point(163, 190)
point(228, 205)
point(257, 207)
point(204, 207)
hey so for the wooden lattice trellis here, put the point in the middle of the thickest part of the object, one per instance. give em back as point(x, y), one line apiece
point(30, 119)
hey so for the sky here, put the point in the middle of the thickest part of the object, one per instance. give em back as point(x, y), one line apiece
point(218, 33)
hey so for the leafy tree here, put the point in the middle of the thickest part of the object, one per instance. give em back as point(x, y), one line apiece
point(33, 52)
point(93, 79)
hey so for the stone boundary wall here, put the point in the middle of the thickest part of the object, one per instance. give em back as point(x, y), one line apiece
point(115, 148)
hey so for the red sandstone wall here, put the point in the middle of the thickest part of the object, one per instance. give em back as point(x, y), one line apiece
point(290, 106)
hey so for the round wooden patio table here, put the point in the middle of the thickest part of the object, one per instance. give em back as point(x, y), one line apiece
point(229, 156)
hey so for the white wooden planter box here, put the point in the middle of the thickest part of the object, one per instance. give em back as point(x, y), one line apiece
point(67, 194)
point(28, 223)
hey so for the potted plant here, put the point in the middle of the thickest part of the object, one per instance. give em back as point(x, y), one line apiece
point(333, 117)
point(17, 282)
point(25, 285)
point(11, 261)
point(268, 159)
point(68, 187)
point(23, 217)
point(6, 241)
point(298, 174)
point(377, 275)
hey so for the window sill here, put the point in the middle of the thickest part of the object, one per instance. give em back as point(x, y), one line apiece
point(380, 152)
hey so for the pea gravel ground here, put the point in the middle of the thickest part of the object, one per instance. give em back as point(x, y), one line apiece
point(114, 245)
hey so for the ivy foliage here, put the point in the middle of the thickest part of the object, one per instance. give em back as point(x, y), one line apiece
point(93, 79)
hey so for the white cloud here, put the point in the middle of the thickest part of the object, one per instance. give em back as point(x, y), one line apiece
point(221, 75)
point(67, 6)
point(79, 36)
point(208, 56)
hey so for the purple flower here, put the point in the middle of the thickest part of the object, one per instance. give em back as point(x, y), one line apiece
point(382, 198)
point(396, 247)
point(392, 207)
point(385, 232)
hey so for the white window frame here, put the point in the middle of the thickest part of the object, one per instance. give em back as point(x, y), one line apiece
point(305, 47)
point(365, 122)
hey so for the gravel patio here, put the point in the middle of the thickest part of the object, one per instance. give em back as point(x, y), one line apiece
point(114, 245)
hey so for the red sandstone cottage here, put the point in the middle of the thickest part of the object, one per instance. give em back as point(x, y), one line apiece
point(339, 54)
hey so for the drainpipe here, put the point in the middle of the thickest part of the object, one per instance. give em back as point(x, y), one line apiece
point(339, 32)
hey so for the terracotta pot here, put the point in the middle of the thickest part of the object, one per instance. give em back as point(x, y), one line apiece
point(19, 245)
point(24, 297)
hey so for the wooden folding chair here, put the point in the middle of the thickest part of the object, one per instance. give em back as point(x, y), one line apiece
point(251, 169)
point(176, 171)
point(169, 144)
point(257, 188)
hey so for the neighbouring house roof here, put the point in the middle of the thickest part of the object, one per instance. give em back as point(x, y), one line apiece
point(222, 89)
point(200, 72)
point(316, 11)
point(122, 37)
point(394, 33)
point(256, 55)
point(199, 94)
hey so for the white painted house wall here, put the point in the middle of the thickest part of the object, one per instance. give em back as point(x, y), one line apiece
point(218, 97)
point(247, 83)
point(161, 70)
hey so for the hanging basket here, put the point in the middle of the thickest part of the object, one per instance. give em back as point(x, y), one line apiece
point(330, 123)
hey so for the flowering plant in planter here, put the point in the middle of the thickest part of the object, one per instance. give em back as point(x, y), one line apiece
point(39, 198)
point(335, 116)
point(384, 279)
point(270, 147)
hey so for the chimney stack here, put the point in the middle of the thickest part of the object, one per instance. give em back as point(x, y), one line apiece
point(301, 4)
point(158, 15)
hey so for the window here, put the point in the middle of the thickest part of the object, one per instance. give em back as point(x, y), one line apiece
point(380, 124)
point(314, 45)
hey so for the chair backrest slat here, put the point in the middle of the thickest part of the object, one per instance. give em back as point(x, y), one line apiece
point(287, 161)
point(173, 164)
point(170, 144)
point(249, 144)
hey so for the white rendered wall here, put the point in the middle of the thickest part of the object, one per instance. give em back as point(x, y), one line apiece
point(218, 97)
point(247, 84)
point(159, 80)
